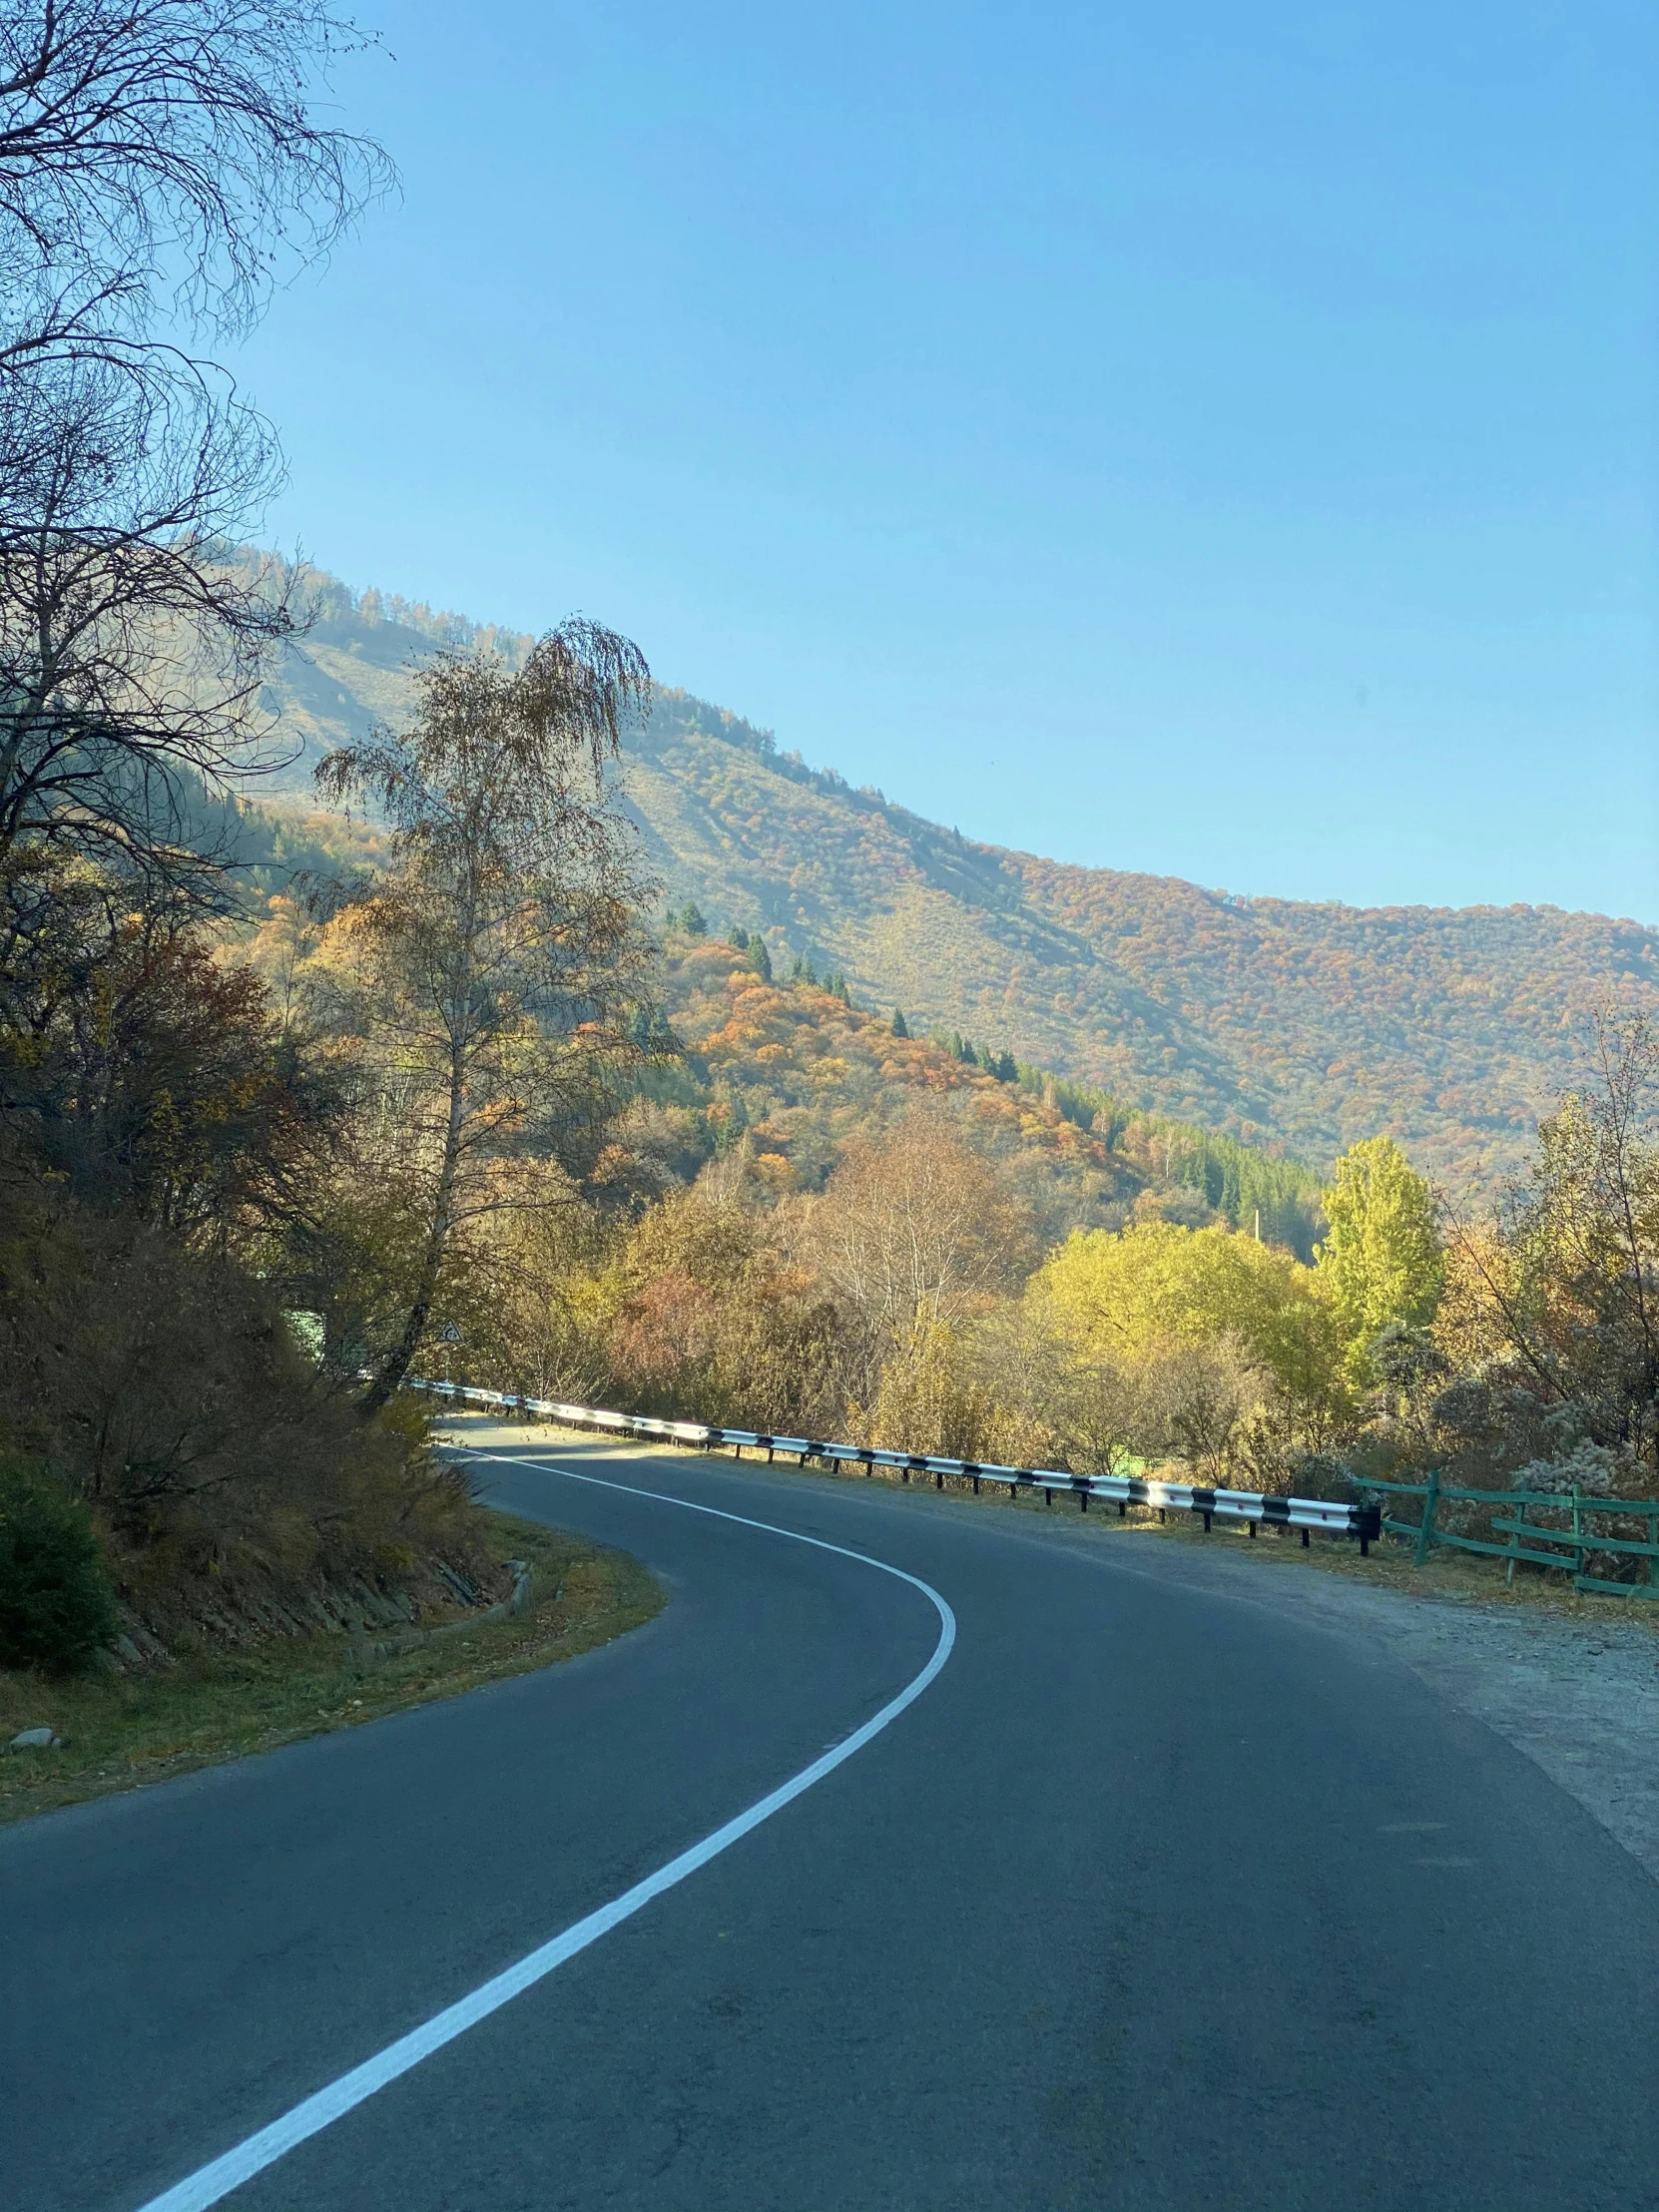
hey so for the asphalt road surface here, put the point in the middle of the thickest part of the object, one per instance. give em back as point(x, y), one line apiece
point(1153, 1898)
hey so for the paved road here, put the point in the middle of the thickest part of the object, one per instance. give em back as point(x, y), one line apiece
point(1153, 1899)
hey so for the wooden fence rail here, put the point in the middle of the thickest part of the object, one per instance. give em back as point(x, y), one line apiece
point(1538, 1541)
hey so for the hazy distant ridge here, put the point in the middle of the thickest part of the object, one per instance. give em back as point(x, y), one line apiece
point(1272, 1019)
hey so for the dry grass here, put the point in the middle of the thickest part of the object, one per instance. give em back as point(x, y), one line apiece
point(121, 1731)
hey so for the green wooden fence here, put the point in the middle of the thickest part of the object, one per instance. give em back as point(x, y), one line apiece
point(1557, 1535)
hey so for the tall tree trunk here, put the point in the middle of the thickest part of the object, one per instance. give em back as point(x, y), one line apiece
point(397, 1362)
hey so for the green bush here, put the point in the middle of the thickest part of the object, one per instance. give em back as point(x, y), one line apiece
point(55, 1606)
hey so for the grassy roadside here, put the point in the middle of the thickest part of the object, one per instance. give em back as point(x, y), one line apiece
point(120, 1732)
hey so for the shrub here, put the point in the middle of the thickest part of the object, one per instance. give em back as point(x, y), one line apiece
point(221, 1464)
point(55, 1606)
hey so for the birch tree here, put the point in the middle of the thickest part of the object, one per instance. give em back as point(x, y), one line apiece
point(491, 975)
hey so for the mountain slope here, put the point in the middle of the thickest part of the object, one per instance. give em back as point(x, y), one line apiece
point(1270, 1019)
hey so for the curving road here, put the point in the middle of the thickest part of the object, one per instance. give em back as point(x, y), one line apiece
point(1153, 1898)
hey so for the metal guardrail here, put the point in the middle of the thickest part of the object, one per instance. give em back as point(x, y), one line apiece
point(1250, 1507)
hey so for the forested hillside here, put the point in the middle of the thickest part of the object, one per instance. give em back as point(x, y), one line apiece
point(802, 1073)
point(556, 1027)
point(1306, 1025)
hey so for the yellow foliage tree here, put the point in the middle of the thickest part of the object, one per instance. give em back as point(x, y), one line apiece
point(1129, 1298)
point(1382, 1263)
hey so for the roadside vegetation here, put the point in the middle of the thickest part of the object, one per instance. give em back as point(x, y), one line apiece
point(216, 1700)
point(436, 1087)
point(918, 1299)
point(196, 1478)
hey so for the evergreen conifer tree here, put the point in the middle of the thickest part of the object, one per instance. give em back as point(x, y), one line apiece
point(901, 1028)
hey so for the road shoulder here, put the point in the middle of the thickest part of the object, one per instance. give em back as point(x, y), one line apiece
point(127, 1731)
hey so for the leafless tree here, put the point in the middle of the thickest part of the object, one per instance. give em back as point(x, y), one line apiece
point(160, 161)
point(912, 1233)
point(131, 647)
point(161, 168)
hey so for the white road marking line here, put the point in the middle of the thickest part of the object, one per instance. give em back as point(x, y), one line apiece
point(209, 2184)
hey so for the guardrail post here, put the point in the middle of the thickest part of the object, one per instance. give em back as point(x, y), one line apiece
point(1515, 1545)
point(1425, 1535)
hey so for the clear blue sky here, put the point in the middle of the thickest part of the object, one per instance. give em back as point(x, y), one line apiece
point(1212, 441)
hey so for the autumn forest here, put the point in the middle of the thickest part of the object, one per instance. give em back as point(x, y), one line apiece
point(381, 995)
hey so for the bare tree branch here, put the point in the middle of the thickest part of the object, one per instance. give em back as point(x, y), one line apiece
point(132, 644)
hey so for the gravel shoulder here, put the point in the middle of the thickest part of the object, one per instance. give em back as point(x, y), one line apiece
point(1571, 1681)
